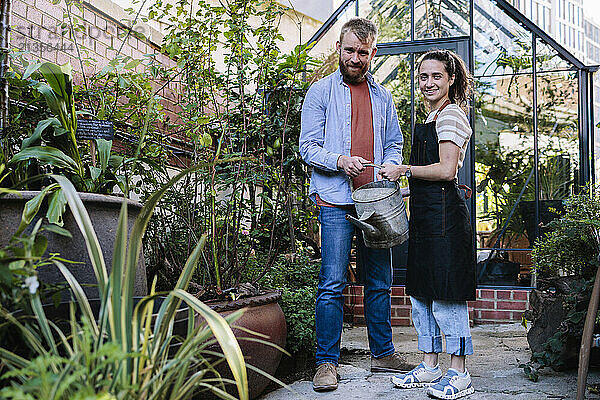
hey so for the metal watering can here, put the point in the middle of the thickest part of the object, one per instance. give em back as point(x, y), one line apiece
point(381, 214)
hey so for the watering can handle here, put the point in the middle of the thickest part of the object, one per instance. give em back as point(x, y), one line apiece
point(370, 164)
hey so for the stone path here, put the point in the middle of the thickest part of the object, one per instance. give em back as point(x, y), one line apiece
point(494, 369)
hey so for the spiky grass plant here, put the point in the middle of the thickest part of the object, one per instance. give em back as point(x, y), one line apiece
point(126, 351)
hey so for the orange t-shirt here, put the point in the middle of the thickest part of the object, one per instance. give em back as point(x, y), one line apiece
point(361, 142)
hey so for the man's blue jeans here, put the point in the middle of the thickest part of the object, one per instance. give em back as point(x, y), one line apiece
point(376, 275)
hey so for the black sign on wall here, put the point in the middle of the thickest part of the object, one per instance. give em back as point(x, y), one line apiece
point(90, 129)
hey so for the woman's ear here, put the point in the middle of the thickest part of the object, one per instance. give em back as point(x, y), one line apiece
point(451, 80)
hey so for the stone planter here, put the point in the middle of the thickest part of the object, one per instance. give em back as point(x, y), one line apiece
point(104, 214)
point(263, 315)
point(547, 314)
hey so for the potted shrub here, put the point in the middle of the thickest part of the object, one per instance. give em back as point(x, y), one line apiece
point(566, 260)
point(122, 351)
point(244, 120)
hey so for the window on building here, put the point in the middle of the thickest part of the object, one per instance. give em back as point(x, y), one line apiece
point(530, 9)
point(560, 32)
point(544, 9)
point(570, 37)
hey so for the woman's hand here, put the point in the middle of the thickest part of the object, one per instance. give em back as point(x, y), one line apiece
point(392, 172)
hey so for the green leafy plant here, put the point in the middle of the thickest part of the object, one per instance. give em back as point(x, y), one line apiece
point(571, 247)
point(125, 350)
point(53, 147)
point(296, 275)
point(566, 260)
point(19, 261)
point(247, 111)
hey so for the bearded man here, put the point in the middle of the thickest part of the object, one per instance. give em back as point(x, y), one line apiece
point(348, 120)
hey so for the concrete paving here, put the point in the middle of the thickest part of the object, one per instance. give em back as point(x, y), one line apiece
point(499, 349)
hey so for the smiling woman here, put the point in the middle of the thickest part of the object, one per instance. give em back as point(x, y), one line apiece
point(441, 270)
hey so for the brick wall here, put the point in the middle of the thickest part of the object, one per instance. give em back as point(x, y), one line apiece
point(36, 29)
point(492, 306)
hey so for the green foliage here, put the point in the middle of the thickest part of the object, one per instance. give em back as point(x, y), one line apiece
point(571, 247)
point(53, 147)
point(19, 261)
point(125, 351)
point(296, 275)
point(245, 117)
point(298, 305)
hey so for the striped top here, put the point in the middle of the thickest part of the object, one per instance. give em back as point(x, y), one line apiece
point(452, 124)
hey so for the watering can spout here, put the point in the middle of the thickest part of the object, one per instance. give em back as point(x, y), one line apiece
point(364, 226)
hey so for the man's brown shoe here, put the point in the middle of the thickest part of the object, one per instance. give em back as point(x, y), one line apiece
point(326, 378)
point(392, 363)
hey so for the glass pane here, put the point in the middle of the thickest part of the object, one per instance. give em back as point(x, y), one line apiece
point(441, 18)
point(558, 135)
point(393, 72)
point(502, 46)
point(503, 168)
point(325, 47)
point(392, 18)
point(548, 59)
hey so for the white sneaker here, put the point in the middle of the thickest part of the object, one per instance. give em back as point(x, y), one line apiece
point(418, 377)
point(452, 386)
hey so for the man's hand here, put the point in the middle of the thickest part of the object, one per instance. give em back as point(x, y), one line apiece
point(352, 166)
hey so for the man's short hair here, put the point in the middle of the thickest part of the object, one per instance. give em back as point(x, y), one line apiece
point(364, 29)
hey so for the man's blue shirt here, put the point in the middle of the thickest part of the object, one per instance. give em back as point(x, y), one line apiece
point(325, 134)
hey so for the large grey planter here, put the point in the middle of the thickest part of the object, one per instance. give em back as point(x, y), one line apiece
point(104, 213)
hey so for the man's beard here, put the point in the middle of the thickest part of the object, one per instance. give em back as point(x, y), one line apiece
point(353, 77)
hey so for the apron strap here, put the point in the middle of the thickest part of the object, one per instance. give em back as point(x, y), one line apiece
point(440, 109)
point(468, 191)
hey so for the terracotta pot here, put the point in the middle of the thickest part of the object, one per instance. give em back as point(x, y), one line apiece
point(263, 315)
point(104, 214)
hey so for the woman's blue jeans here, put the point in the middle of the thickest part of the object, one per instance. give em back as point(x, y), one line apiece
point(431, 318)
point(376, 275)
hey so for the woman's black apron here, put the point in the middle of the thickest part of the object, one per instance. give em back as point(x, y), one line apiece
point(441, 262)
